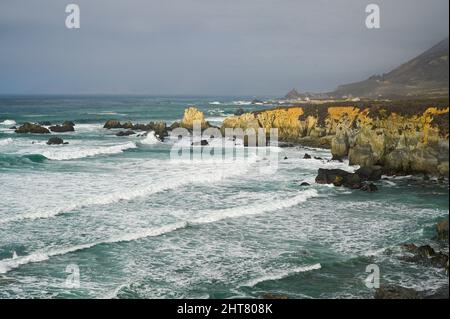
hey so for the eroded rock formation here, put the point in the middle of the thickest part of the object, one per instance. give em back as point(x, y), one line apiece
point(402, 138)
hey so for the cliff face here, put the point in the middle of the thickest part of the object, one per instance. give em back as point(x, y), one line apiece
point(401, 139)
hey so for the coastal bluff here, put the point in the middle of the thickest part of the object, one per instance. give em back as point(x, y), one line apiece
point(403, 137)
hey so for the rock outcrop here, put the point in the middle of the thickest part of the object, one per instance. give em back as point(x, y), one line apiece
point(32, 128)
point(160, 128)
point(426, 255)
point(396, 292)
point(56, 141)
point(357, 180)
point(65, 127)
point(401, 137)
point(125, 133)
point(191, 115)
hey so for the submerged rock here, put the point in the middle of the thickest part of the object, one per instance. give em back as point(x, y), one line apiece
point(401, 136)
point(32, 128)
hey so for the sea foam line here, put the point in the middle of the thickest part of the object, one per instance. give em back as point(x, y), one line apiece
point(8, 122)
point(281, 275)
point(7, 265)
point(107, 199)
point(62, 154)
point(6, 141)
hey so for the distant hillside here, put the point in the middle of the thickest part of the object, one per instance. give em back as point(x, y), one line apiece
point(425, 75)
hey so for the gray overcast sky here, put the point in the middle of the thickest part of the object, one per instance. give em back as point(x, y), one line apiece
point(208, 47)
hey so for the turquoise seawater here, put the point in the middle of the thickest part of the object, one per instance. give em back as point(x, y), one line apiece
point(137, 224)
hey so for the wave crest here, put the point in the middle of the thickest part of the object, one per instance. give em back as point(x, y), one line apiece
point(61, 154)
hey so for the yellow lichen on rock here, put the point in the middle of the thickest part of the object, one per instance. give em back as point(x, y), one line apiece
point(404, 142)
point(285, 120)
point(191, 115)
point(244, 121)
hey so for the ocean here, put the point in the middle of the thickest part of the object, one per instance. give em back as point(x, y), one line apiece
point(116, 217)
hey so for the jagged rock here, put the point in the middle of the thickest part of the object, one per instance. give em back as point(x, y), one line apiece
point(400, 137)
point(56, 141)
point(306, 156)
point(396, 292)
point(13, 128)
point(442, 229)
point(426, 255)
point(32, 128)
point(338, 177)
point(112, 124)
point(239, 111)
point(45, 123)
point(191, 115)
point(318, 158)
point(125, 133)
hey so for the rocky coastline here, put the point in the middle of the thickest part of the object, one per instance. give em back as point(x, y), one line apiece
point(402, 139)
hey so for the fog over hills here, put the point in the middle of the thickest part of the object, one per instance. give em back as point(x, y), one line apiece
point(427, 75)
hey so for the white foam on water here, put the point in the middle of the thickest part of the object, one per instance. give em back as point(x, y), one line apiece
point(215, 103)
point(88, 127)
point(108, 113)
point(150, 139)
point(6, 141)
point(8, 122)
point(201, 176)
point(242, 102)
point(69, 153)
point(281, 274)
point(7, 265)
point(256, 209)
point(215, 119)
